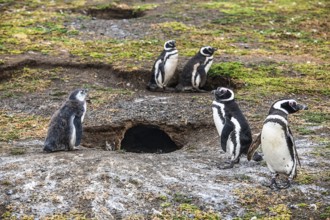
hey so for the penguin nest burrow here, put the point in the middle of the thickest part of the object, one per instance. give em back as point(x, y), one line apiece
point(139, 137)
point(115, 11)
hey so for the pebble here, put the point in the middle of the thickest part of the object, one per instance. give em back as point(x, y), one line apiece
point(9, 192)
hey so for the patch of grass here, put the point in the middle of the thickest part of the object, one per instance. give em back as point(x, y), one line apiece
point(281, 211)
point(5, 183)
point(303, 130)
point(144, 7)
point(181, 198)
point(15, 126)
point(17, 151)
point(326, 213)
point(25, 81)
point(316, 117)
point(260, 200)
point(273, 77)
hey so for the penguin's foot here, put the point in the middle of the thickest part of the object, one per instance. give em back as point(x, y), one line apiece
point(257, 157)
point(272, 185)
point(185, 89)
point(226, 165)
point(275, 186)
point(285, 186)
point(48, 149)
point(154, 88)
point(75, 148)
point(200, 90)
point(168, 89)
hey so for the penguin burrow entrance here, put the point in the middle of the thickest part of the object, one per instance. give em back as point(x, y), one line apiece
point(115, 11)
point(140, 137)
point(147, 139)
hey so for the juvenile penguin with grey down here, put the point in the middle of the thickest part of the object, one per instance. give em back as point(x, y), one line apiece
point(232, 126)
point(65, 128)
point(164, 68)
point(194, 74)
point(277, 143)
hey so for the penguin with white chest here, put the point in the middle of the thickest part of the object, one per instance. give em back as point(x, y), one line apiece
point(164, 67)
point(232, 126)
point(194, 73)
point(65, 128)
point(277, 142)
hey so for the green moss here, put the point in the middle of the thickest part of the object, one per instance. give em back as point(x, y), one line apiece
point(316, 117)
point(17, 151)
point(281, 211)
point(302, 205)
point(326, 213)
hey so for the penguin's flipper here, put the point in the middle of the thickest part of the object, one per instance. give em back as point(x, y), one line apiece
point(293, 146)
point(79, 130)
point(202, 73)
point(227, 129)
point(253, 147)
point(162, 70)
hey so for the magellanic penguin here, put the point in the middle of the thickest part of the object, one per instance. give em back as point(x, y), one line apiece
point(65, 128)
point(232, 126)
point(164, 67)
point(277, 142)
point(194, 73)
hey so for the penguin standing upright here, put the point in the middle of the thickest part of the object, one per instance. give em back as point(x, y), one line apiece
point(194, 73)
point(164, 67)
point(232, 126)
point(277, 142)
point(65, 128)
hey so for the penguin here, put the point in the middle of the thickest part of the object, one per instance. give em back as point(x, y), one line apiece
point(194, 73)
point(164, 67)
point(65, 127)
point(277, 142)
point(232, 126)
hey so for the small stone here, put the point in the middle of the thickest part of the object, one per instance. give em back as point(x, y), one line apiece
point(10, 192)
point(241, 212)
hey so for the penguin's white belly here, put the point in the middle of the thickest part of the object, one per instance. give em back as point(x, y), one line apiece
point(170, 67)
point(275, 149)
point(217, 120)
point(73, 133)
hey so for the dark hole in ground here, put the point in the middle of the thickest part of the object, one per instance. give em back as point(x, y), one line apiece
point(147, 139)
point(121, 11)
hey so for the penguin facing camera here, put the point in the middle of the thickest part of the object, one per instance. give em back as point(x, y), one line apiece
point(194, 73)
point(65, 127)
point(277, 142)
point(232, 126)
point(164, 68)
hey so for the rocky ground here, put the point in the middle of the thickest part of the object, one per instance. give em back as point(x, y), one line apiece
point(104, 181)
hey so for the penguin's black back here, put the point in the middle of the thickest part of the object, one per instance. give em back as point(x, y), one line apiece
point(232, 110)
point(185, 79)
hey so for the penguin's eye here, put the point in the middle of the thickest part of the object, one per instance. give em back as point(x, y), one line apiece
point(292, 103)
